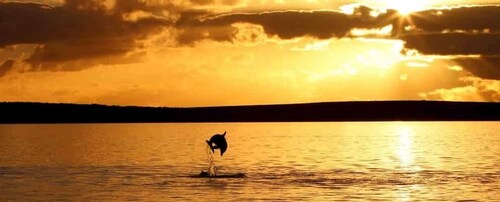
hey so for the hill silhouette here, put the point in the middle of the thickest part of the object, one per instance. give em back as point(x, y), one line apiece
point(17, 112)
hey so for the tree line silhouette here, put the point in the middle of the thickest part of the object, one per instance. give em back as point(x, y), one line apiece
point(18, 112)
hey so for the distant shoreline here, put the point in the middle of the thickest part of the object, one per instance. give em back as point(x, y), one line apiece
point(19, 112)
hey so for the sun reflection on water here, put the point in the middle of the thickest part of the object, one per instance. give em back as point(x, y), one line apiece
point(406, 193)
point(405, 153)
point(405, 148)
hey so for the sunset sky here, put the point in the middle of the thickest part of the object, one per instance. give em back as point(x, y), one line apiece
point(240, 52)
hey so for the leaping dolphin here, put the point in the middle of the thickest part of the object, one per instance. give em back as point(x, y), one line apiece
point(218, 141)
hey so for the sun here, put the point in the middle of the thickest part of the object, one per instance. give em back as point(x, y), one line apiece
point(406, 7)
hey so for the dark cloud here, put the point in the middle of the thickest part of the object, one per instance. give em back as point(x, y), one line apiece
point(453, 43)
point(458, 18)
point(471, 30)
point(460, 31)
point(287, 24)
point(77, 30)
point(486, 67)
point(6, 67)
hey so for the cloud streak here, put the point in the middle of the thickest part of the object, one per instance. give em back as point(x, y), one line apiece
point(287, 24)
point(486, 67)
point(458, 18)
point(453, 43)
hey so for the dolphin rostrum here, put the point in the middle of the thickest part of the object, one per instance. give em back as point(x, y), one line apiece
point(218, 141)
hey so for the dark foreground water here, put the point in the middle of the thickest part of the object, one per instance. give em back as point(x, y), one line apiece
point(385, 161)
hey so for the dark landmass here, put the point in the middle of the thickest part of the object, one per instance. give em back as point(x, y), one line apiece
point(331, 111)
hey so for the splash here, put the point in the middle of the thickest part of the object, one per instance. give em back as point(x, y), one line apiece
point(211, 162)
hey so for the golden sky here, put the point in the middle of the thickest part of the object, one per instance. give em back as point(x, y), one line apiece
point(239, 52)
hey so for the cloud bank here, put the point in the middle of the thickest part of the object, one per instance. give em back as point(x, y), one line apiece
point(90, 29)
point(79, 34)
point(78, 30)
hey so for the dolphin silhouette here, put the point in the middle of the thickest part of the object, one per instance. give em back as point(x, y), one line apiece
point(218, 141)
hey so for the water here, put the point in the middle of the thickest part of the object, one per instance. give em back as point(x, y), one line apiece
point(385, 161)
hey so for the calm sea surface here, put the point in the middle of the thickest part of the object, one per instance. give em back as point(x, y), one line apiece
point(374, 161)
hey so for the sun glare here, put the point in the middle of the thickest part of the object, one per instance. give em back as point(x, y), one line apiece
point(404, 149)
point(406, 7)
